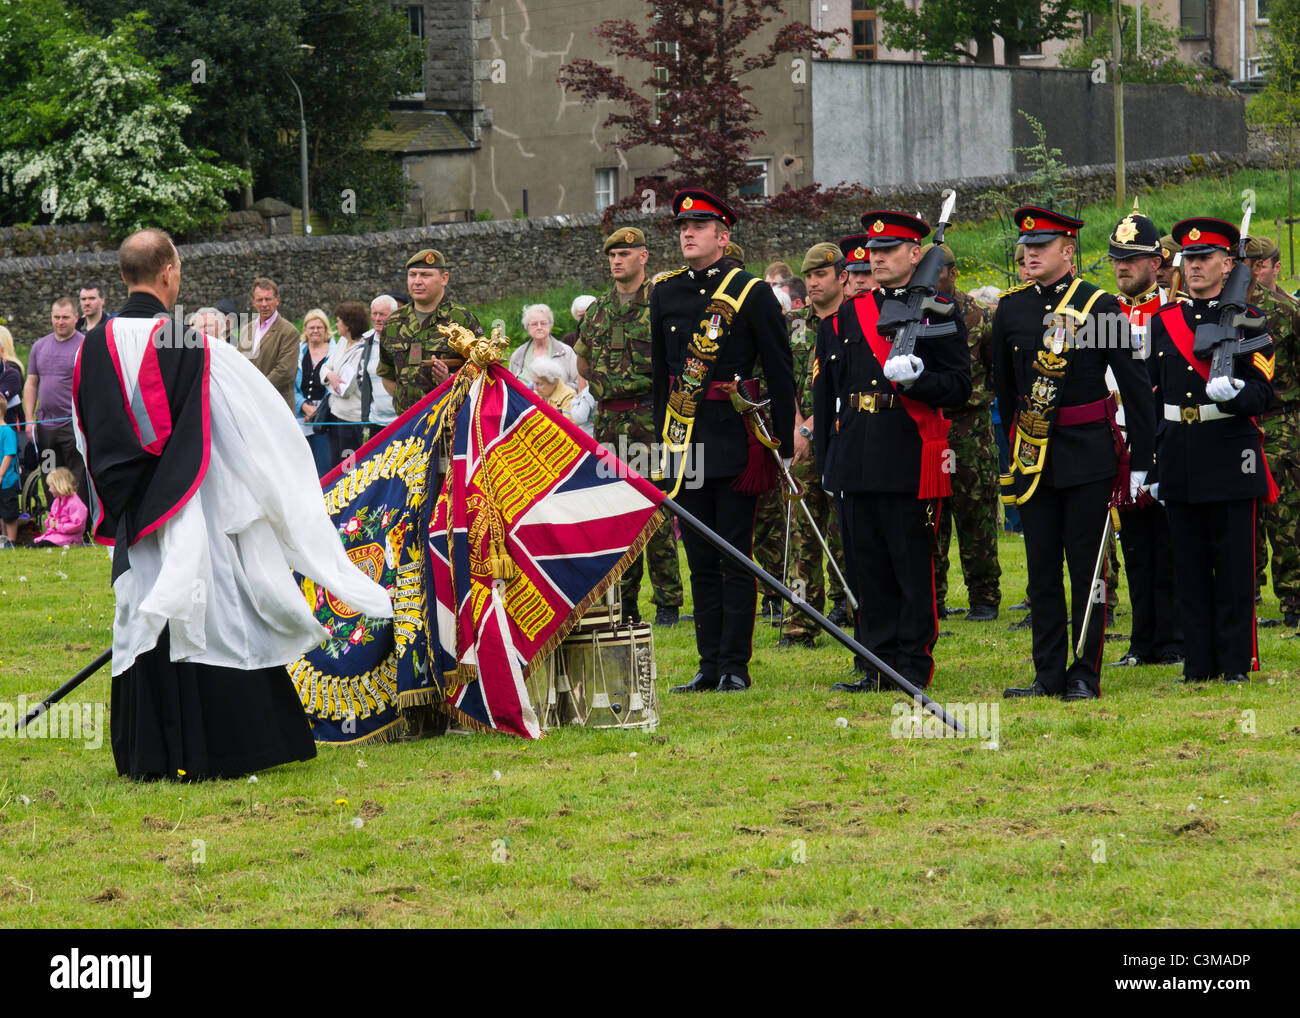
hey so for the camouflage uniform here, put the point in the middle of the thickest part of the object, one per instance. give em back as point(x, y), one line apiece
point(402, 333)
point(614, 340)
point(974, 500)
point(1282, 447)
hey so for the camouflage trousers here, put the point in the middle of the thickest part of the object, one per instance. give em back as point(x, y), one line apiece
point(974, 508)
point(1279, 524)
point(635, 428)
point(806, 574)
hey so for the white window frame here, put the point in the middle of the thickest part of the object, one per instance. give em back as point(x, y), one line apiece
point(608, 176)
point(766, 180)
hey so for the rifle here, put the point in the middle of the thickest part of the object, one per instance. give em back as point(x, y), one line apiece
point(905, 320)
point(1221, 341)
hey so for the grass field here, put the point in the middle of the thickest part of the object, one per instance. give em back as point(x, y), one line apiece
point(1155, 806)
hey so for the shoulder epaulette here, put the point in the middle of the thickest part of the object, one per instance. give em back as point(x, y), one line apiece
point(1014, 289)
point(660, 277)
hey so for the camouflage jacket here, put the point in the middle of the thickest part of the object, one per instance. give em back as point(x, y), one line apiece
point(979, 323)
point(1283, 315)
point(614, 340)
point(404, 344)
point(803, 344)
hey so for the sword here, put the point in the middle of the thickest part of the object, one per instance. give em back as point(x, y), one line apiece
point(1112, 520)
point(785, 569)
point(748, 408)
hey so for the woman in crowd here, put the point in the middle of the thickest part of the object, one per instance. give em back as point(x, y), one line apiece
point(11, 379)
point(539, 320)
point(341, 374)
point(315, 348)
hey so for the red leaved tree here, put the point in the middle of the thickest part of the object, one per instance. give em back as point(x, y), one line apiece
point(692, 100)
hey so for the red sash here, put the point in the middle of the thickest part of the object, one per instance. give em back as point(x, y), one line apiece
point(936, 482)
point(1171, 316)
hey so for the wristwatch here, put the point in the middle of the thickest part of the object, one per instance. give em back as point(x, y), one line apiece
point(803, 430)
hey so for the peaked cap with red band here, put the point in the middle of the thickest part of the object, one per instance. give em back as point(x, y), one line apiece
point(889, 229)
point(1038, 226)
point(854, 248)
point(696, 203)
point(1201, 235)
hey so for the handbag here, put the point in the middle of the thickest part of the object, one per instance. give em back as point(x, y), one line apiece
point(322, 415)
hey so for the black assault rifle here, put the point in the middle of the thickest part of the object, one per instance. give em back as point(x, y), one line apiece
point(1219, 342)
point(904, 320)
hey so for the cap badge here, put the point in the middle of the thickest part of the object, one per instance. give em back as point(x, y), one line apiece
point(859, 253)
point(688, 202)
point(1193, 234)
point(1164, 251)
point(1027, 223)
point(430, 258)
point(1126, 231)
point(830, 256)
point(878, 226)
point(628, 237)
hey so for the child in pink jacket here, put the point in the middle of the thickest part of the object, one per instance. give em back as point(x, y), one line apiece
point(67, 518)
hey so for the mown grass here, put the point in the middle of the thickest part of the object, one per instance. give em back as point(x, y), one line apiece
point(702, 823)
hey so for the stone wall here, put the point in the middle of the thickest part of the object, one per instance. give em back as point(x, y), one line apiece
point(494, 259)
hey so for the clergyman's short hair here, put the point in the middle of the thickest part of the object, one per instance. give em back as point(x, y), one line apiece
point(262, 283)
point(144, 254)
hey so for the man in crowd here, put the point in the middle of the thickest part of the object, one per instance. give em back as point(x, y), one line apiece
point(973, 507)
point(1211, 468)
point(613, 350)
point(709, 324)
point(92, 307)
point(1157, 628)
point(1054, 402)
point(271, 342)
point(881, 440)
point(414, 357)
point(47, 395)
point(377, 402)
point(857, 262)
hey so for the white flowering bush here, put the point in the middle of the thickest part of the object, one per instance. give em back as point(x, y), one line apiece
point(89, 134)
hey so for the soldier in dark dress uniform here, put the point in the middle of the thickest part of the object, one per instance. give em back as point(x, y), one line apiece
point(1210, 462)
point(881, 442)
point(709, 323)
point(1053, 340)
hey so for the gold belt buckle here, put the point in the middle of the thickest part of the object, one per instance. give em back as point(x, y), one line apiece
point(873, 403)
point(1191, 414)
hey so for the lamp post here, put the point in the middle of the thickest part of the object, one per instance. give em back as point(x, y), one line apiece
point(302, 143)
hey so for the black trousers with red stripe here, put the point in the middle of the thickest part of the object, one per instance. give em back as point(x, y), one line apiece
point(723, 594)
point(890, 542)
point(1065, 522)
point(1214, 559)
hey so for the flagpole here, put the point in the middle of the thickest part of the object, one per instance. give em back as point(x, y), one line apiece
point(745, 562)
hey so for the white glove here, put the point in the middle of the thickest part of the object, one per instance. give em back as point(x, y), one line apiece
point(1136, 480)
point(1154, 492)
point(904, 370)
point(1222, 389)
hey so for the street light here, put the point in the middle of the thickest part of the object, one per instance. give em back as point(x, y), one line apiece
point(302, 143)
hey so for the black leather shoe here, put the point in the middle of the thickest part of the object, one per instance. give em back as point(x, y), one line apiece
point(1168, 659)
point(1236, 677)
point(1023, 606)
point(866, 684)
point(1026, 623)
point(1130, 660)
point(1291, 620)
point(839, 614)
point(666, 615)
point(982, 613)
point(733, 684)
point(1198, 678)
point(1078, 689)
point(700, 684)
point(786, 642)
point(1037, 689)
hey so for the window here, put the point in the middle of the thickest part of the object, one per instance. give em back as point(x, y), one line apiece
point(1191, 18)
point(1029, 24)
point(415, 18)
point(864, 30)
point(758, 189)
point(606, 188)
point(1261, 11)
point(663, 72)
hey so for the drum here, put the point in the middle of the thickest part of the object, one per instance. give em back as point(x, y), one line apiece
point(599, 679)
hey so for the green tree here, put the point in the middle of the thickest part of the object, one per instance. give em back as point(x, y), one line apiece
point(1158, 62)
point(88, 133)
point(1278, 105)
point(236, 54)
point(945, 29)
